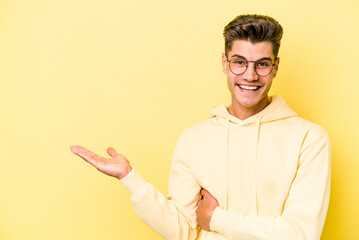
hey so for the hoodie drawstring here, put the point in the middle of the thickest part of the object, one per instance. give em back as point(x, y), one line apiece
point(258, 125)
point(227, 156)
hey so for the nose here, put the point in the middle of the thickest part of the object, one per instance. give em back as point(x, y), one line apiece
point(250, 73)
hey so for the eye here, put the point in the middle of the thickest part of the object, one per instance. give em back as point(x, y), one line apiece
point(239, 61)
point(263, 64)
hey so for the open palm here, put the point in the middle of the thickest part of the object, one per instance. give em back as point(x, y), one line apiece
point(117, 166)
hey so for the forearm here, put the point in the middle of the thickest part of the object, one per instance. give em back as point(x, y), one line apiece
point(160, 213)
point(242, 226)
point(303, 216)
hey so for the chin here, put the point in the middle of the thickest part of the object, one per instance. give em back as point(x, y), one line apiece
point(251, 103)
point(248, 103)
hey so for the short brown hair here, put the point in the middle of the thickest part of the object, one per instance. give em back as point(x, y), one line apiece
point(254, 28)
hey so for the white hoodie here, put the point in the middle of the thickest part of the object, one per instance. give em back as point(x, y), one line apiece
point(270, 174)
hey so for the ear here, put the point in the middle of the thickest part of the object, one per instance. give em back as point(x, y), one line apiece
point(224, 63)
point(276, 66)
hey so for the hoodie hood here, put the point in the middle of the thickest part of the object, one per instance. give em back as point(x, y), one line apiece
point(276, 110)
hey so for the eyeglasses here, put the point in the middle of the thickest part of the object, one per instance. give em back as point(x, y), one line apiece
point(238, 65)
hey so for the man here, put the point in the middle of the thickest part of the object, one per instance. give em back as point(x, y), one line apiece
point(253, 170)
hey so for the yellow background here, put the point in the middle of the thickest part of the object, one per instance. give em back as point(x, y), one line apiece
point(133, 75)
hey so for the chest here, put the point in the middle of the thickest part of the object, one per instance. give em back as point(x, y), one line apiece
point(246, 165)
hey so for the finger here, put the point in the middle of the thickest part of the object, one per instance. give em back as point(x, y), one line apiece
point(82, 153)
point(87, 158)
point(87, 155)
point(76, 149)
point(79, 150)
point(204, 192)
point(112, 152)
point(84, 150)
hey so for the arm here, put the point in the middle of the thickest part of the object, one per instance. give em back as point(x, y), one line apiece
point(305, 209)
point(173, 217)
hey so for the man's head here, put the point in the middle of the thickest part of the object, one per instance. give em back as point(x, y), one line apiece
point(250, 61)
point(253, 28)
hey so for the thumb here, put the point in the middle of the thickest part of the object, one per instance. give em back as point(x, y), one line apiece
point(112, 152)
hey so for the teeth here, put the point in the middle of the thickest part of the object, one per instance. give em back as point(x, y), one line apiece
point(251, 88)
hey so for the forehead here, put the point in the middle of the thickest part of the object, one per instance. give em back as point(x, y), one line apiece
point(251, 51)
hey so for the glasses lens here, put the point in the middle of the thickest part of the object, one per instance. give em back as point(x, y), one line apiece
point(263, 67)
point(238, 65)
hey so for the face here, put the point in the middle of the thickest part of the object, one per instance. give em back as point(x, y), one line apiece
point(249, 90)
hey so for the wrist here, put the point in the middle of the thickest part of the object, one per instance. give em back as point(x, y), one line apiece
point(125, 173)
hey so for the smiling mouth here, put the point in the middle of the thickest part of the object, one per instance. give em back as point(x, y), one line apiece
point(248, 88)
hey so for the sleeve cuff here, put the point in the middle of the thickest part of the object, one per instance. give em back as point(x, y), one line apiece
point(135, 184)
point(220, 221)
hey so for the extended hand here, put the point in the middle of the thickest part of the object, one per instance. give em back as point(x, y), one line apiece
point(205, 209)
point(117, 166)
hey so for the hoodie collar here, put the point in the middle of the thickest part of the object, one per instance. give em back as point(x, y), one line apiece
point(276, 110)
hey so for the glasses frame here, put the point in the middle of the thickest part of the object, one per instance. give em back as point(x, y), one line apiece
point(255, 69)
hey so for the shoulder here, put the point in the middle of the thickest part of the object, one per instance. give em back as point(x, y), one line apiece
point(305, 126)
point(313, 130)
point(201, 132)
point(314, 134)
point(202, 128)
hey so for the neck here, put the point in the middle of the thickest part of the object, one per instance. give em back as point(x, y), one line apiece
point(241, 112)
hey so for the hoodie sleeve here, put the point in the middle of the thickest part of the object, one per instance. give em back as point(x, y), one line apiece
point(174, 216)
point(305, 208)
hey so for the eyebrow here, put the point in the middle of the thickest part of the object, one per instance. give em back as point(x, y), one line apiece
point(239, 56)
